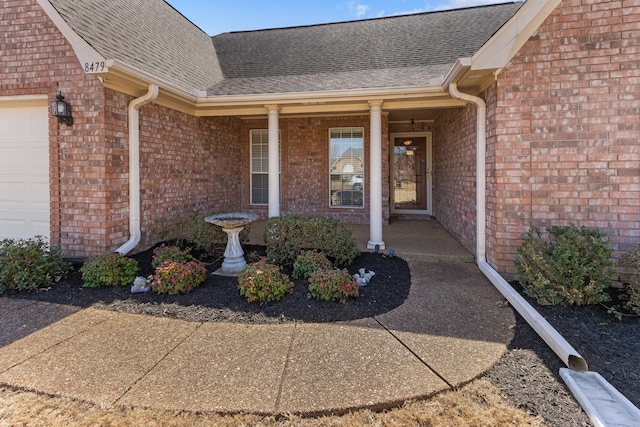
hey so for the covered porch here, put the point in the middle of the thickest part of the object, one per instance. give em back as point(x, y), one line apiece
point(412, 240)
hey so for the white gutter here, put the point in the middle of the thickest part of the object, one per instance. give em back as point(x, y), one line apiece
point(134, 168)
point(558, 344)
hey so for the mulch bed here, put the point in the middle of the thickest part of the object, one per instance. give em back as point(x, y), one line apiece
point(527, 374)
point(218, 299)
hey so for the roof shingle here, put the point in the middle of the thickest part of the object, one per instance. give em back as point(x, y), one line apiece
point(149, 35)
point(407, 50)
point(385, 52)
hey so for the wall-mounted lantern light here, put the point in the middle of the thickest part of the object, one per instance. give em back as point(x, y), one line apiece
point(61, 110)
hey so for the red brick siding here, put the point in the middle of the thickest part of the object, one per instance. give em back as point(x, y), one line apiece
point(36, 59)
point(567, 128)
point(185, 161)
point(454, 173)
point(305, 166)
point(187, 164)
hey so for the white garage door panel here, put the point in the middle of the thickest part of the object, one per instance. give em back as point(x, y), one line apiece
point(13, 194)
point(22, 228)
point(24, 172)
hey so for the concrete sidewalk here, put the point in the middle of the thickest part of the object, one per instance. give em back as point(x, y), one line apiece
point(450, 330)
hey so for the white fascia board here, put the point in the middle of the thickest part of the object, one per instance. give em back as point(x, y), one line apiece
point(507, 41)
point(461, 66)
point(145, 78)
point(84, 51)
point(365, 93)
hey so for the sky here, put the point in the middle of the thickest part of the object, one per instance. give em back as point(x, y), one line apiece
point(220, 16)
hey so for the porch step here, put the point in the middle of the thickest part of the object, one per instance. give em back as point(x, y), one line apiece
point(604, 405)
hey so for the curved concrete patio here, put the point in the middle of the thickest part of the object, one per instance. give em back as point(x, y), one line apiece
point(451, 329)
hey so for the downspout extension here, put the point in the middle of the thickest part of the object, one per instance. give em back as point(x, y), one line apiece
point(134, 168)
point(554, 340)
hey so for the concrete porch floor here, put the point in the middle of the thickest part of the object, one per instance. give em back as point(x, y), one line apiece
point(425, 240)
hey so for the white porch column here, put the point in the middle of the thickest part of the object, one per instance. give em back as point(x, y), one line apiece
point(375, 177)
point(274, 161)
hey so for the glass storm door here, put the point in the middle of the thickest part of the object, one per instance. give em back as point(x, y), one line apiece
point(410, 170)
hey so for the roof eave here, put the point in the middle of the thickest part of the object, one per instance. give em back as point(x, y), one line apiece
point(330, 101)
point(435, 85)
point(473, 74)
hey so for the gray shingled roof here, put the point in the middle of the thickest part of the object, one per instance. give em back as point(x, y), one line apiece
point(397, 51)
point(149, 35)
point(407, 50)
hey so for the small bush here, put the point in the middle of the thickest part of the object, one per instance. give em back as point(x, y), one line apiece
point(288, 235)
point(175, 277)
point(308, 262)
point(630, 263)
point(169, 253)
point(572, 266)
point(29, 264)
point(333, 285)
point(109, 270)
point(264, 282)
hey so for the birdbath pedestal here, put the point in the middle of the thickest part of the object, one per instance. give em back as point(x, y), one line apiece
point(232, 224)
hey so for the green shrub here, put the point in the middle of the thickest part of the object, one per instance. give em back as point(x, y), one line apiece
point(29, 264)
point(333, 285)
point(287, 236)
point(308, 262)
point(175, 277)
point(207, 237)
point(264, 282)
point(109, 270)
point(630, 263)
point(169, 253)
point(572, 266)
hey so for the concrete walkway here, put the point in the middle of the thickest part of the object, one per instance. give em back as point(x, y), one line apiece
point(451, 329)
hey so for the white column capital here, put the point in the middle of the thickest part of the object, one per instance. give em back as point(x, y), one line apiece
point(376, 104)
point(271, 108)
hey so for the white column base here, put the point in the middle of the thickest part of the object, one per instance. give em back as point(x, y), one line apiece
point(372, 245)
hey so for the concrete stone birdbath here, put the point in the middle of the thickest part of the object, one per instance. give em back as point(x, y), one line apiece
point(232, 224)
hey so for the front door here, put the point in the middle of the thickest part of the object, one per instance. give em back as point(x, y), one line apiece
point(411, 173)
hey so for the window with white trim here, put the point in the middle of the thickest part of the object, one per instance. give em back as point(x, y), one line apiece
point(260, 166)
point(346, 167)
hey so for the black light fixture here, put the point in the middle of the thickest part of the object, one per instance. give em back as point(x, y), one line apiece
point(61, 110)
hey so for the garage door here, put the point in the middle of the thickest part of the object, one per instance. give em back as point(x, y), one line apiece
point(24, 171)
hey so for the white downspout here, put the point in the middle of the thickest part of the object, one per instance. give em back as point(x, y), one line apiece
point(134, 168)
point(558, 344)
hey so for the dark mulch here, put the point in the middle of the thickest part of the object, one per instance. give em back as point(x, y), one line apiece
point(527, 374)
point(218, 299)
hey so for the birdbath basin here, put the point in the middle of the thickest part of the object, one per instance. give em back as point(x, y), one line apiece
point(232, 224)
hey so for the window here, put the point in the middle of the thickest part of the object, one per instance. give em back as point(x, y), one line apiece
point(346, 167)
point(259, 167)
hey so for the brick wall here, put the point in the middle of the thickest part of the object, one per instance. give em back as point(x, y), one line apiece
point(566, 118)
point(36, 59)
point(187, 164)
point(305, 166)
point(185, 161)
point(454, 173)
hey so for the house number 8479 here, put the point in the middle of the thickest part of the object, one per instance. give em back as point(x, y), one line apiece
point(94, 67)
